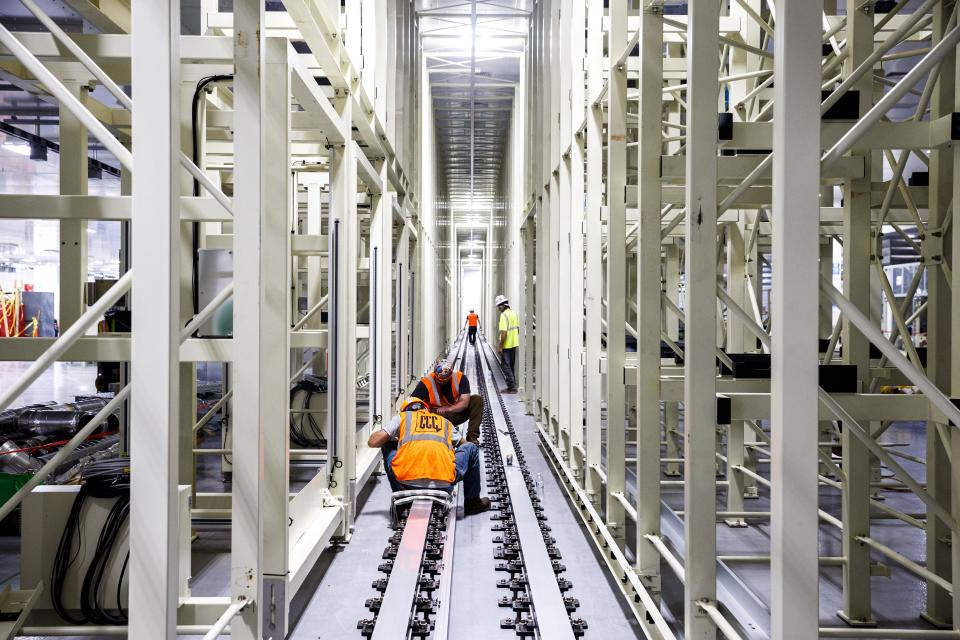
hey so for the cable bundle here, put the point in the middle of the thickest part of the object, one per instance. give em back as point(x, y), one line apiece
point(306, 432)
point(103, 479)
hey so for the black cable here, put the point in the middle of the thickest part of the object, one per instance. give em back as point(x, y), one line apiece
point(313, 436)
point(62, 561)
point(195, 140)
point(108, 480)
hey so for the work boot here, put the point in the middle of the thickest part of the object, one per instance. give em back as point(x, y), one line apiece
point(474, 506)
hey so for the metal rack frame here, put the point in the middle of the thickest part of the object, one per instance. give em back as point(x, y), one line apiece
point(300, 158)
point(637, 142)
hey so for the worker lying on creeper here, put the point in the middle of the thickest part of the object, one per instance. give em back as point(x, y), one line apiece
point(423, 450)
point(447, 393)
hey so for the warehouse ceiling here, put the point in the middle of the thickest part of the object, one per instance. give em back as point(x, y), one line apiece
point(473, 76)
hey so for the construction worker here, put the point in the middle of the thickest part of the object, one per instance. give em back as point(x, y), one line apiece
point(509, 341)
point(447, 393)
point(422, 450)
point(473, 322)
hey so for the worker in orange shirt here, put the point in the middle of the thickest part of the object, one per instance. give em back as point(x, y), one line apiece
point(473, 323)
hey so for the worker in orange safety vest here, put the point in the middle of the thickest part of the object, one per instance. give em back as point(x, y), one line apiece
point(447, 392)
point(422, 450)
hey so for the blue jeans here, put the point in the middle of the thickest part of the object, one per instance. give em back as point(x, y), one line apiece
point(467, 461)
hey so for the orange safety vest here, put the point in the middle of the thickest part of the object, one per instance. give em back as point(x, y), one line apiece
point(472, 319)
point(425, 455)
point(433, 389)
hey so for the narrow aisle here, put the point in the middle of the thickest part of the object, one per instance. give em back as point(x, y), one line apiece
point(475, 614)
point(600, 603)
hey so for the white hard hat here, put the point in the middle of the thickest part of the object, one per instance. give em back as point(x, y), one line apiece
point(500, 300)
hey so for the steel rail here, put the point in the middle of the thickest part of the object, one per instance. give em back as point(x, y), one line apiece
point(546, 600)
point(394, 615)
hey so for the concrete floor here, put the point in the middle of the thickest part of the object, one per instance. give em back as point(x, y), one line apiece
point(343, 584)
point(333, 599)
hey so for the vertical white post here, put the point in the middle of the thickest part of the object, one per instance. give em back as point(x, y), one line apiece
point(616, 269)
point(73, 233)
point(261, 324)
point(700, 321)
point(794, 298)
point(402, 312)
point(943, 347)
point(342, 305)
point(857, 250)
point(154, 506)
point(578, 26)
point(381, 305)
point(671, 410)
point(528, 307)
point(648, 295)
point(561, 81)
point(593, 289)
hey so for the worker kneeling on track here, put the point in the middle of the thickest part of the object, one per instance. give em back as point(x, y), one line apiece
point(447, 393)
point(423, 450)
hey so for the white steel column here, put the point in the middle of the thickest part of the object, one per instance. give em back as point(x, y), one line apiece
point(593, 290)
point(381, 305)
point(794, 298)
point(261, 323)
point(73, 233)
point(561, 72)
point(578, 26)
point(616, 268)
point(342, 305)
point(856, 286)
point(402, 310)
point(649, 308)
point(529, 299)
point(700, 321)
point(671, 410)
point(154, 506)
point(551, 206)
point(943, 344)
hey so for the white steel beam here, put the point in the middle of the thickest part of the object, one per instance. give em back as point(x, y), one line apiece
point(857, 250)
point(381, 307)
point(259, 543)
point(593, 288)
point(578, 27)
point(342, 312)
point(154, 505)
point(73, 232)
point(564, 207)
point(616, 271)
point(649, 309)
point(700, 321)
point(795, 296)
point(943, 349)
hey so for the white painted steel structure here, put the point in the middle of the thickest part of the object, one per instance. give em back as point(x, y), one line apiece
point(362, 158)
point(316, 150)
point(684, 222)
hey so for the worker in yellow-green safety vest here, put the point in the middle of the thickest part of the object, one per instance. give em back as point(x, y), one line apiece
point(509, 342)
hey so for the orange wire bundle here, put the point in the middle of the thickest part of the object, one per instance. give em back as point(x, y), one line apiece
point(13, 317)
